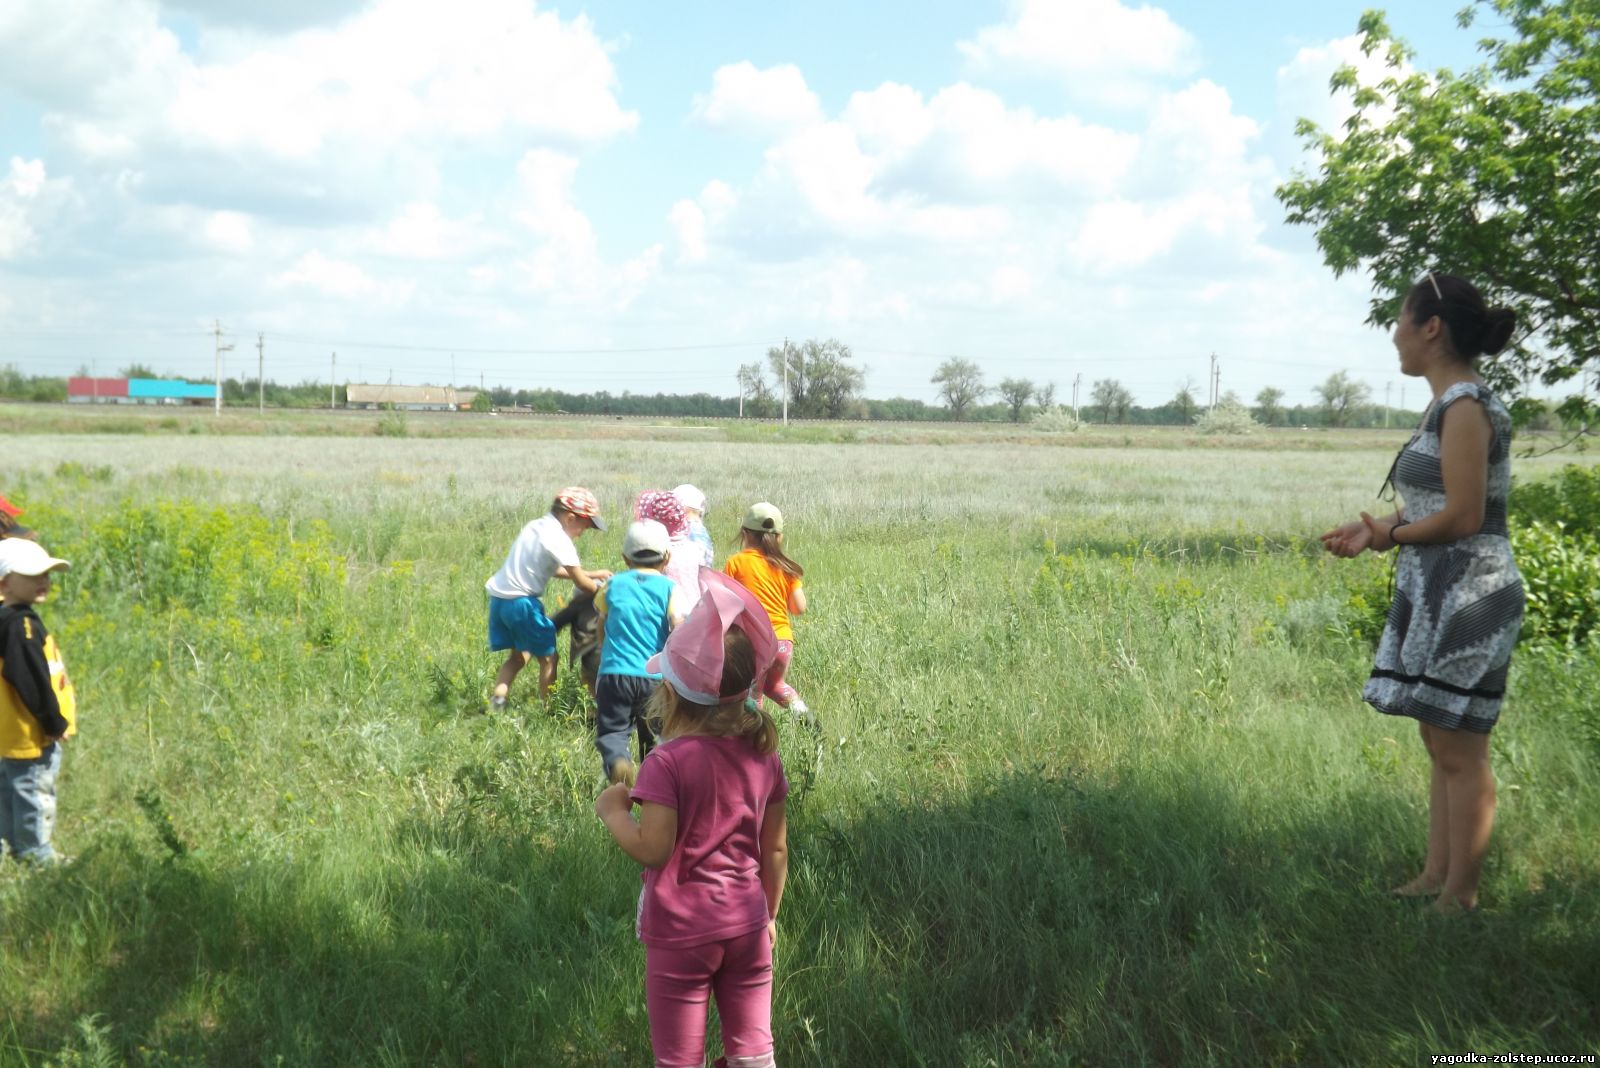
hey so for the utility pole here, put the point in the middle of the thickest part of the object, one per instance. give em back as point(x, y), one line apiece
point(261, 362)
point(1075, 382)
point(216, 330)
point(785, 381)
point(1387, 386)
point(333, 376)
point(1215, 382)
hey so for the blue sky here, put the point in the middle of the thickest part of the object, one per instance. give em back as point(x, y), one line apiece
point(1051, 188)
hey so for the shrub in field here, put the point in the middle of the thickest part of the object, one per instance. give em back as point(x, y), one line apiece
point(1572, 497)
point(1228, 417)
point(204, 559)
point(1561, 572)
point(392, 424)
point(1056, 420)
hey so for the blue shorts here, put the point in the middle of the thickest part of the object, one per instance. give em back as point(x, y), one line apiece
point(521, 624)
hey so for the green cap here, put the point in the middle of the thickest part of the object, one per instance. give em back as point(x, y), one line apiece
point(764, 516)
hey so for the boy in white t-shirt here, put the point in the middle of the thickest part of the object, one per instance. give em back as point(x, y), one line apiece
point(544, 550)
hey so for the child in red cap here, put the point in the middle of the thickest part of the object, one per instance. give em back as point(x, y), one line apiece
point(543, 550)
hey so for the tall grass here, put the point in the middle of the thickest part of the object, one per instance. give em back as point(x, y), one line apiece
point(1095, 785)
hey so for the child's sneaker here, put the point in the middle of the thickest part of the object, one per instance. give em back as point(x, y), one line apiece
point(497, 704)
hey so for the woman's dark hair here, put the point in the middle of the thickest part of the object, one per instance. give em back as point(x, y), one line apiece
point(1475, 329)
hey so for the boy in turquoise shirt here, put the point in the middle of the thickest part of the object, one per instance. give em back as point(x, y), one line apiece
point(636, 609)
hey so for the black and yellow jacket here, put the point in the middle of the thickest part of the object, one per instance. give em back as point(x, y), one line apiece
point(36, 698)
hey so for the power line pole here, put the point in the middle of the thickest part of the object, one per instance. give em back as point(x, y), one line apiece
point(1216, 382)
point(333, 377)
point(261, 362)
point(1075, 382)
point(216, 330)
point(785, 381)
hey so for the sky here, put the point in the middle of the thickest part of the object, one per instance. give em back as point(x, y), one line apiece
point(643, 196)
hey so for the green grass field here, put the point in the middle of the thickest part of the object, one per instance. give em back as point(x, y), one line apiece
point(1095, 784)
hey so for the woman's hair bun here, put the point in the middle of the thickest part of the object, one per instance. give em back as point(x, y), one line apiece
point(1497, 326)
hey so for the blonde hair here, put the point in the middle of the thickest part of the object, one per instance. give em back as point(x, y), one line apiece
point(769, 543)
point(674, 717)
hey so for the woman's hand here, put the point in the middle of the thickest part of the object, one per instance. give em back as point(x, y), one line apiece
point(1380, 532)
point(1351, 539)
point(613, 799)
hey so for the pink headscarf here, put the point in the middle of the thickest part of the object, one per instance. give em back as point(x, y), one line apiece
point(665, 509)
point(692, 657)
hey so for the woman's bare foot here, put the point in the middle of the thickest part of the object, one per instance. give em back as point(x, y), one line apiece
point(1423, 885)
point(1450, 905)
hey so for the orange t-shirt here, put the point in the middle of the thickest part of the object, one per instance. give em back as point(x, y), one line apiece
point(769, 582)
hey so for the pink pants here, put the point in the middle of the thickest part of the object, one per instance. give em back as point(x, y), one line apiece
point(677, 984)
point(773, 685)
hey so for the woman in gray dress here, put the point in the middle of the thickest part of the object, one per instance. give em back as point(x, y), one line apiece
point(1458, 597)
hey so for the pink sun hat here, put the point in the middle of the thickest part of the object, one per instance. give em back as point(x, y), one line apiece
point(692, 657)
point(665, 509)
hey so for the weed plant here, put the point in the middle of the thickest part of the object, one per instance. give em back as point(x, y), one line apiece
point(1095, 784)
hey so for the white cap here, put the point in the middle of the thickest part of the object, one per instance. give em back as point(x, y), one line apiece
point(646, 542)
point(690, 497)
point(22, 557)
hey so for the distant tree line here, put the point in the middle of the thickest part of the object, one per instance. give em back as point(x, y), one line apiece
point(826, 383)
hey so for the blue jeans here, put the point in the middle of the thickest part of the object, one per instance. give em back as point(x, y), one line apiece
point(28, 804)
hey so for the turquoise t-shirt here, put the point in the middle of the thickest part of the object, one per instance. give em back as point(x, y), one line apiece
point(637, 610)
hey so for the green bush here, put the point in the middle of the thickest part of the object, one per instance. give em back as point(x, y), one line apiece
point(1561, 571)
point(1572, 497)
point(392, 424)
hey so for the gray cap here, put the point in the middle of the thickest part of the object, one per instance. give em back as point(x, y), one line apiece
point(645, 542)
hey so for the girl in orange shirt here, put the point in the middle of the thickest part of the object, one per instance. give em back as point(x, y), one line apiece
point(762, 568)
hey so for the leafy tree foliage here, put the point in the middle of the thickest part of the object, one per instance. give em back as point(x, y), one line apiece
point(1016, 393)
point(1341, 396)
point(822, 380)
point(758, 398)
point(1112, 398)
point(1269, 405)
point(960, 385)
point(1184, 403)
point(1493, 174)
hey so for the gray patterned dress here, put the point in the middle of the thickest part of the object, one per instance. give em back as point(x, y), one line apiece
point(1457, 607)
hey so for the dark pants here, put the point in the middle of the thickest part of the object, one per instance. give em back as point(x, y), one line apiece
point(620, 703)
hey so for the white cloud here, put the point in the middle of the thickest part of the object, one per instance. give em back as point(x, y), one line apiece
point(28, 198)
point(229, 231)
point(1098, 49)
point(314, 120)
point(339, 279)
point(688, 221)
point(745, 97)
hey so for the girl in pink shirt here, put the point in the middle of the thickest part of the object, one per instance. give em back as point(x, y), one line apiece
point(711, 835)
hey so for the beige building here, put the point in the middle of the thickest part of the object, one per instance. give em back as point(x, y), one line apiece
point(410, 398)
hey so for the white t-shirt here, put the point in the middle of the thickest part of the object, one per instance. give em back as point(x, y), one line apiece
point(539, 550)
point(683, 568)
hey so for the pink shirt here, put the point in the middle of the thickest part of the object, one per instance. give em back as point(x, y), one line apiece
point(710, 888)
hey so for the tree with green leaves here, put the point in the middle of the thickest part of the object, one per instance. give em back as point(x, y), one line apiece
point(1269, 404)
point(1492, 174)
point(1016, 392)
point(1341, 396)
point(822, 379)
point(754, 389)
point(1112, 398)
point(1184, 403)
point(960, 385)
